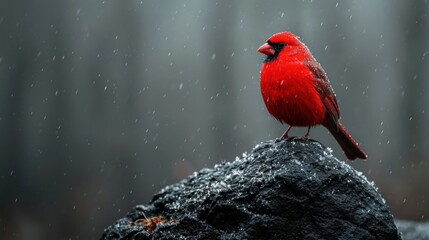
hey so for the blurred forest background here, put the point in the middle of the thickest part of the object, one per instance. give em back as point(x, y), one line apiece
point(103, 103)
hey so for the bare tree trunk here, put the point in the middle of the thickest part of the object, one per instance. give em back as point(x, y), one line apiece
point(221, 79)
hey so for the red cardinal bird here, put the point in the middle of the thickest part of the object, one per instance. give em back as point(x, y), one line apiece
point(297, 91)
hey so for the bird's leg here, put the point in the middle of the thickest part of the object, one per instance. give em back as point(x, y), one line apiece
point(308, 132)
point(286, 134)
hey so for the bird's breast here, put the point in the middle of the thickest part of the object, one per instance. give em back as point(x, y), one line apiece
point(289, 94)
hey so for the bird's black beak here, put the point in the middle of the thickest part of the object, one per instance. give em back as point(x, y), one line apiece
point(266, 49)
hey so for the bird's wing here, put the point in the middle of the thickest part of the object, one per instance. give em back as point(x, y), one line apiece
point(325, 91)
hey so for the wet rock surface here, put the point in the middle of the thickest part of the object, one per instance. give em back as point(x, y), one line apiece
point(293, 189)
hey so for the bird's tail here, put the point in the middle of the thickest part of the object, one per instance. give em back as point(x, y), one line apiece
point(347, 143)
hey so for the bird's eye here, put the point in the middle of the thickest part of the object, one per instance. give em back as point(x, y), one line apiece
point(281, 45)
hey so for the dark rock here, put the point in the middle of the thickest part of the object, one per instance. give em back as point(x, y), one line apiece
point(413, 230)
point(293, 189)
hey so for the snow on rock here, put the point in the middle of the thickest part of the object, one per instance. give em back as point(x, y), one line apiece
point(292, 189)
